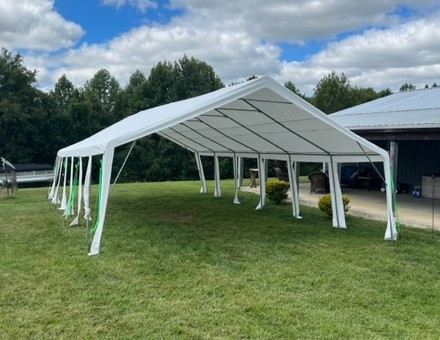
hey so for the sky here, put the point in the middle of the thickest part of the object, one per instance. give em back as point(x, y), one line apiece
point(375, 43)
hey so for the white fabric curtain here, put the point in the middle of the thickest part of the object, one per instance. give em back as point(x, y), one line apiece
point(217, 188)
point(391, 233)
point(336, 196)
point(64, 197)
point(236, 168)
point(203, 188)
point(55, 199)
point(57, 168)
point(292, 170)
point(262, 179)
point(107, 161)
point(86, 190)
point(76, 221)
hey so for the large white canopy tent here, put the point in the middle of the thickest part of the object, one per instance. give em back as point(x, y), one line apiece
point(257, 119)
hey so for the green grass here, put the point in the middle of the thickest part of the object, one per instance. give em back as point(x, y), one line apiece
point(179, 264)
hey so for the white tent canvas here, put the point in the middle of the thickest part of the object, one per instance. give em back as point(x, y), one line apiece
point(257, 119)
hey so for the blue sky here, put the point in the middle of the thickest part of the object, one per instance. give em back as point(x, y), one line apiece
point(376, 43)
point(103, 22)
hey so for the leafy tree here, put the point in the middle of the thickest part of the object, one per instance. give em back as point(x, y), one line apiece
point(161, 84)
point(359, 95)
point(291, 86)
point(72, 118)
point(155, 158)
point(407, 87)
point(332, 93)
point(22, 111)
point(103, 94)
point(194, 77)
point(135, 96)
point(62, 94)
point(384, 93)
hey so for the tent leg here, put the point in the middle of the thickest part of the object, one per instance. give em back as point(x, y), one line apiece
point(236, 165)
point(294, 188)
point(336, 196)
point(218, 189)
point(391, 233)
point(262, 175)
point(203, 189)
point(105, 186)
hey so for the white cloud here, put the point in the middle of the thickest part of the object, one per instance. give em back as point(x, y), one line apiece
point(297, 20)
point(33, 24)
point(376, 58)
point(239, 39)
point(230, 53)
point(142, 5)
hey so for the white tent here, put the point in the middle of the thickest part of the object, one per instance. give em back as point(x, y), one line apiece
point(257, 119)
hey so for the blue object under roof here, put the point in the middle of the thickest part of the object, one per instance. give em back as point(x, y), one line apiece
point(403, 110)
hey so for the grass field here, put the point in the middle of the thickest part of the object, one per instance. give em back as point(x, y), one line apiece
point(179, 264)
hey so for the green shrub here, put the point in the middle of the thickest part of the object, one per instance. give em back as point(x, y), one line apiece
point(325, 204)
point(276, 190)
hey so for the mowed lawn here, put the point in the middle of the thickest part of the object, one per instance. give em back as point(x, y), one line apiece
point(179, 264)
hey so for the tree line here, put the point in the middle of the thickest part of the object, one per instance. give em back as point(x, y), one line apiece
point(34, 123)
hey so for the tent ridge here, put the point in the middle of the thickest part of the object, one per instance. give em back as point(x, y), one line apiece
point(267, 101)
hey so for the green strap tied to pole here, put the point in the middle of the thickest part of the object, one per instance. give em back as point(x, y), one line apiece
point(74, 190)
point(99, 200)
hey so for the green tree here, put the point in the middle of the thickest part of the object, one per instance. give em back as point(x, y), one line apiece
point(359, 95)
point(135, 96)
point(194, 78)
point(22, 111)
point(407, 87)
point(162, 84)
point(103, 94)
point(72, 118)
point(385, 92)
point(155, 157)
point(332, 93)
point(291, 86)
point(62, 95)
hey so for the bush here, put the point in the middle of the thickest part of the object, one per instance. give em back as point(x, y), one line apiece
point(325, 204)
point(276, 190)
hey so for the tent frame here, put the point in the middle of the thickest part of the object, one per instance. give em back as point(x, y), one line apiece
point(190, 124)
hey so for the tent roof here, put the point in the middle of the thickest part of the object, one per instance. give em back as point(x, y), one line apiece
point(256, 117)
point(402, 110)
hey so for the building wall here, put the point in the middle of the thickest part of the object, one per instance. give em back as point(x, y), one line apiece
point(417, 159)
